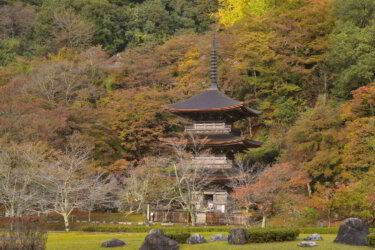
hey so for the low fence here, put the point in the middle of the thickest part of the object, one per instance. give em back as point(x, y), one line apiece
point(226, 219)
point(170, 216)
point(208, 218)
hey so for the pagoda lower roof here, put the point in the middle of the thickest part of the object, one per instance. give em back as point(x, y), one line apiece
point(210, 100)
point(212, 175)
point(217, 139)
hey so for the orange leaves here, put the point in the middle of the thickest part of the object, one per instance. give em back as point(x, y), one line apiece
point(359, 150)
point(272, 184)
point(133, 116)
point(363, 101)
point(365, 93)
point(359, 131)
point(322, 197)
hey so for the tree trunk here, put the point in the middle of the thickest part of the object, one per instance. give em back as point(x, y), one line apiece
point(309, 189)
point(148, 212)
point(325, 89)
point(89, 215)
point(264, 221)
point(250, 127)
point(193, 216)
point(329, 218)
point(10, 212)
point(66, 222)
point(372, 109)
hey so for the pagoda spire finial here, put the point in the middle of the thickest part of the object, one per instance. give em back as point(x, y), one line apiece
point(214, 64)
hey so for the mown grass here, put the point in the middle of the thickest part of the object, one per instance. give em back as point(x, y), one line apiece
point(91, 241)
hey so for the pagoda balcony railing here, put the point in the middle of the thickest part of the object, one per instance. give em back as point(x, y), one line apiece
point(212, 162)
point(209, 127)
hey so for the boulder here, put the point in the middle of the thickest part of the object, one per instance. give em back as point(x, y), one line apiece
point(353, 231)
point(156, 231)
point(307, 244)
point(219, 237)
point(113, 243)
point(196, 239)
point(313, 237)
point(156, 241)
point(237, 236)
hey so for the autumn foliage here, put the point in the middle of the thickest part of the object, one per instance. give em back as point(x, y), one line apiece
point(278, 182)
point(102, 69)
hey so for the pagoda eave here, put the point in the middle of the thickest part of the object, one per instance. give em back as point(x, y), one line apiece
point(202, 110)
point(250, 111)
point(207, 142)
point(219, 175)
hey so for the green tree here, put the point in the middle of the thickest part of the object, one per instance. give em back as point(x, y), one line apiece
point(352, 46)
point(356, 200)
point(312, 143)
point(350, 57)
point(8, 50)
point(335, 147)
point(358, 12)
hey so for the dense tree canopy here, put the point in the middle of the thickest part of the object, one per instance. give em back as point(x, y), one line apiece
point(102, 69)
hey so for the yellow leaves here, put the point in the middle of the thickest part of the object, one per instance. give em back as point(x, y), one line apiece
point(188, 68)
point(191, 58)
point(64, 54)
point(288, 88)
point(255, 45)
point(346, 111)
point(231, 11)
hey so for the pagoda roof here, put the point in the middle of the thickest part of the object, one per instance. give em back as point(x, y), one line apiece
point(213, 175)
point(210, 100)
point(218, 140)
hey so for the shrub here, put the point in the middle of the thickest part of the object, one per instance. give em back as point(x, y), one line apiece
point(143, 229)
point(371, 239)
point(271, 235)
point(26, 233)
point(180, 237)
point(319, 230)
point(125, 229)
point(186, 229)
point(323, 230)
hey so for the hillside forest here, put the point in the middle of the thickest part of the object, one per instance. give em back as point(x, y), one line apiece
point(82, 82)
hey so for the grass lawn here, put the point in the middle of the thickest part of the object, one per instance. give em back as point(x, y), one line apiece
point(83, 241)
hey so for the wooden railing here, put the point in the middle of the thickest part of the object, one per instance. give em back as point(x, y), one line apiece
point(212, 162)
point(208, 127)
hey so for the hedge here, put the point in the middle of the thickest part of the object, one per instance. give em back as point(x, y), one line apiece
point(180, 237)
point(125, 229)
point(271, 235)
point(187, 229)
point(371, 239)
point(145, 229)
point(319, 230)
point(323, 230)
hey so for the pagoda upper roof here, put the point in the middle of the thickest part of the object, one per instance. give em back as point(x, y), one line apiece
point(210, 100)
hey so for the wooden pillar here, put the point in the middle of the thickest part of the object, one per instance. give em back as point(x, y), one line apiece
point(148, 212)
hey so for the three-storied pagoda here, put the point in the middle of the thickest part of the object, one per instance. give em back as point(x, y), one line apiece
point(212, 114)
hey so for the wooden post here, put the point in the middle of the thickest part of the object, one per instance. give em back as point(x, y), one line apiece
point(148, 212)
